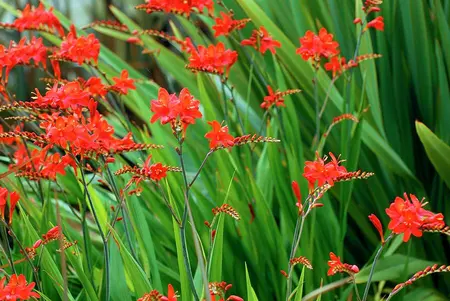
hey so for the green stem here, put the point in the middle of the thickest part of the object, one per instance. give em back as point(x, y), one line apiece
point(102, 235)
point(372, 269)
point(187, 213)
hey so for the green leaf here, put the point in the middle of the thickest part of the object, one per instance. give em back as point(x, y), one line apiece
point(251, 295)
point(136, 276)
point(299, 293)
point(437, 151)
point(392, 267)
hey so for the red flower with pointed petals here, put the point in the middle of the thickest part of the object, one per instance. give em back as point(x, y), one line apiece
point(335, 65)
point(13, 199)
point(188, 107)
point(226, 24)
point(377, 23)
point(317, 46)
point(408, 217)
point(169, 107)
point(377, 224)
point(219, 136)
point(123, 83)
point(321, 172)
point(164, 107)
point(79, 49)
point(264, 39)
point(17, 289)
point(171, 295)
point(213, 59)
point(36, 18)
point(336, 266)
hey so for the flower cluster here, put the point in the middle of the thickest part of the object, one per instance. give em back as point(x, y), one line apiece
point(262, 41)
point(212, 59)
point(173, 109)
point(79, 49)
point(23, 53)
point(336, 266)
point(408, 217)
point(323, 173)
point(227, 24)
point(37, 18)
point(319, 46)
point(13, 198)
point(17, 288)
point(180, 7)
point(39, 164)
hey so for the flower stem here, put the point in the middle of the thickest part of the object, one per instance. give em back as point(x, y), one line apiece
point(102, 235)
point(188, 213)
point(316, 101)
point(377, 256)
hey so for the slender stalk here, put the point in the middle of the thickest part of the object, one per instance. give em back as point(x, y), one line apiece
point(122, 208)
point(316, 101)
point(187, 212)
point(325, 102)
point(377, 256)
point(163, 194)
point(200, 168)
point(102, 235)
point(358, 297)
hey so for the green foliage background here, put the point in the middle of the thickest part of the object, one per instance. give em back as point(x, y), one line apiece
point(409, 83)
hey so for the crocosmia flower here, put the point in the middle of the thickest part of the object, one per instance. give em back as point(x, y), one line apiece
point(336, 266)
point(212, 59)
point(263, 39)
point(226, 24)
point(335, 65)
point(170, 108)
point(13, 199)
point(409, 217)
point(276, 98)
point(17, 289)
point(219, 136)
point(79, 49)
point(154, 295)
point(377, 23)
point(123, 83)
point(317, 46)
point(38, 18)
point(320, 172)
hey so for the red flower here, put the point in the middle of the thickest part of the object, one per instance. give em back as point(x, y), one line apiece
point(13, 199)
point(317, 46)
point(79, 49)
point(180, 7)
point(276, 98)
point(377, 23)
point(321, 172)
point(336, 65)
point(51, 235)
point(171, 295)
point(22, 53)
point(169, 107)
point(37, 18)
point(298, 196)
point(212, 59)
point(123, 83)
point(219, 136)
point(94, 87)
point(17, 289)
point(155, 171)
point(408, 217)
point(226, 24)
point(377, 224)
point(262, 38)
point(336, 266)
